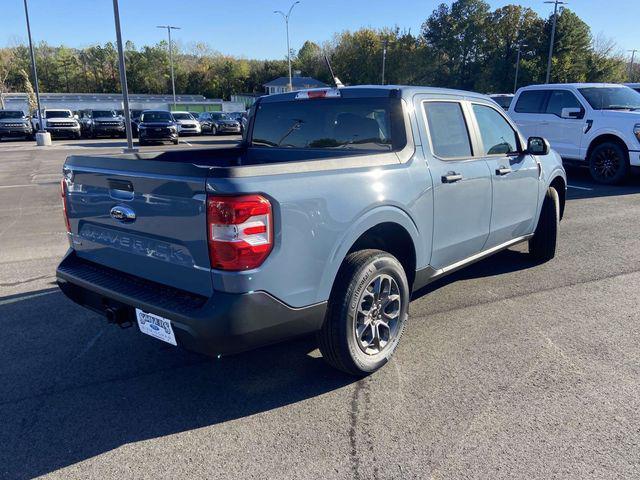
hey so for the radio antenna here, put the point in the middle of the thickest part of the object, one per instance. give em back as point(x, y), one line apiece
point(336, 80)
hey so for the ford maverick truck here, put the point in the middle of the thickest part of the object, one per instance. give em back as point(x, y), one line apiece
point(336, 205)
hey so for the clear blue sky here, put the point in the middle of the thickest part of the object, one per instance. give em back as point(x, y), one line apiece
point(248, 28)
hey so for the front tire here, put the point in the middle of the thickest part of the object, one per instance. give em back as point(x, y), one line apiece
point(609, 163)
point(542, 247)
point(367, 313)
point(175, 142)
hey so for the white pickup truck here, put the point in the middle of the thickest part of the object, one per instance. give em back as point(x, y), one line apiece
point(58, 122)
point(597, 125)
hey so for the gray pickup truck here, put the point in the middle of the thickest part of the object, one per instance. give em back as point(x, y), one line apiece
point(336, 206)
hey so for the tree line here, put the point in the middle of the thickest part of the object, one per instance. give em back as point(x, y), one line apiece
point(463, 45)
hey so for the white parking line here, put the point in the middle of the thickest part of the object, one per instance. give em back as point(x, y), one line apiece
point(26, 297)
point(580, 188)
point(18, 186)
point(184, 141)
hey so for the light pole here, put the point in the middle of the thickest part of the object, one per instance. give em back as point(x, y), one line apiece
point(34, 70)
point(633, 56)
point(173, 79)
point(384, 58)
point(123, 80)
point(553, 33)
point(286, 21)
point(515, 82)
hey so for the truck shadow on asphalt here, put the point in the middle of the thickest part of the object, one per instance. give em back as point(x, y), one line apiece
point(74, 387)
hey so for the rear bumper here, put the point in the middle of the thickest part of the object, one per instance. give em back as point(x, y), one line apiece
point(222, 324)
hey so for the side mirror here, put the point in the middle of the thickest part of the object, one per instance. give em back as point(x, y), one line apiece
point(571, 112)
point(538, 146)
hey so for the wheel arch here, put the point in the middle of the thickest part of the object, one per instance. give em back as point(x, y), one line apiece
point(560, 185)
point(604, 138)
point(386, 228)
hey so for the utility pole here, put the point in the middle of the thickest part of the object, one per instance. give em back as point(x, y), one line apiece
point(286, 21)
point(633, 55)
point(34, 70)
point(173, 79)
point(553, 33)
point(384, 58)
point(515, 82)
point(123, 80)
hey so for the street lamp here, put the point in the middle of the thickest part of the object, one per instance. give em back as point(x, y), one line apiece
point(384, 57)
point(173, 79)
point(515, 82)
point(553, 33)
point(633, 56)
point(286, 21)
point(34, 70)
point(123, 80)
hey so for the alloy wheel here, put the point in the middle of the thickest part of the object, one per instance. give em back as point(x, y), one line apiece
point(378, 315)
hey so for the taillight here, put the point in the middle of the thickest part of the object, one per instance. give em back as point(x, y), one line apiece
point(63, 194)
point(240, 231)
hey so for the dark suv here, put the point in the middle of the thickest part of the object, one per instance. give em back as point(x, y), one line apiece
point(219, 122)
point(96, 123)
point(157, 126)
point(15, 124)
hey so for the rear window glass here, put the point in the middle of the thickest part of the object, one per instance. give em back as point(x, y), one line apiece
point(448, 129)
point(531, 101)
point(373, 124)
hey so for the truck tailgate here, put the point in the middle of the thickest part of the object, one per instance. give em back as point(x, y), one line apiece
point(143, 217)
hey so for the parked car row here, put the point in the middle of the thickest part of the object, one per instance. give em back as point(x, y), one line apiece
point(94, 123)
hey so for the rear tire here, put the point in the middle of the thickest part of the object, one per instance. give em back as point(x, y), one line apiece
point(367, 313)
point(542, 247)
point(609, 163)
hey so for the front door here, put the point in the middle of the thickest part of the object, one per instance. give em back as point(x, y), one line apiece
point(462, 183)
point(564, 134)
point(514, 176)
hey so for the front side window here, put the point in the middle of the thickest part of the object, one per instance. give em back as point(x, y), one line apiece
point(498, 138)
point(531, 101)
point(448, 129)
point(611, 98)
point(331, 123)
point(559, 99)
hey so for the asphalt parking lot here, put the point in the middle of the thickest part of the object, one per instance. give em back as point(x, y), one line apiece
point(507, 369)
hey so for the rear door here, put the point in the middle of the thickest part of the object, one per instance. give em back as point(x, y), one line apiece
point(514, 176)
point(527, 111)
point(462, 184)
point(144, 217)
point(564, 134)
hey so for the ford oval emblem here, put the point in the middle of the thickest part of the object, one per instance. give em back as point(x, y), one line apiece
point(123, 213)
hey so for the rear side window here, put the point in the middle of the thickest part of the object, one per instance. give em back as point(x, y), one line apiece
point(498, 138)
point(448, 129)
point(559, 99)
point(531, 101)
point(374, 124)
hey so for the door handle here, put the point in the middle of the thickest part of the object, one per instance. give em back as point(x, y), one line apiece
point(451, 177)
point(503, 171)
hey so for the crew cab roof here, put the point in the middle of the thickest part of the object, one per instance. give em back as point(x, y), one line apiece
point(363, 91)
point(552, 86)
